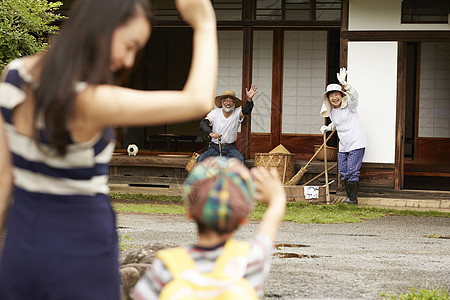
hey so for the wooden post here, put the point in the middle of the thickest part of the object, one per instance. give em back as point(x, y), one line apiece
point(327, 188)
point(247, 64)
point(400, 119)
point(277, 88)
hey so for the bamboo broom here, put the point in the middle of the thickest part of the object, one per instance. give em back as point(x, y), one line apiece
point(296, 178)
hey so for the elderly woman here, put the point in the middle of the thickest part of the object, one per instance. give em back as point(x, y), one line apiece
point(341, 107)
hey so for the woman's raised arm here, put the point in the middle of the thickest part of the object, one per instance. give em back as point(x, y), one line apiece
point(107, 105)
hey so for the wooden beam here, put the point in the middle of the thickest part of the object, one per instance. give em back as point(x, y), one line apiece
point(248, 10)
point(277, 87)
point(417, 107)
point(247, 65)
point(400, 119)
point(312, 10)
point(344, 15)
point(261, 23)
point(343, 53)
point(410, 36)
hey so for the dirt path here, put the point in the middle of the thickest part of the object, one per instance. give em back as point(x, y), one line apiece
point(331, 261)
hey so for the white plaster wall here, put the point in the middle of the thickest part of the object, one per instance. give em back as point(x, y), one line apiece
point(382, 15)
point(262, 77)
point(304, 81)
point(230, 62)
point(230, 72)
point(434, 101)
point(372, 68)
point(229, 75)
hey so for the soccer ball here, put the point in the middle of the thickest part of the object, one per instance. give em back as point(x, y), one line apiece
point(132, 149)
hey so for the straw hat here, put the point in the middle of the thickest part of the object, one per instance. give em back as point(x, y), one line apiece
point(228, 93)
point(326, 106)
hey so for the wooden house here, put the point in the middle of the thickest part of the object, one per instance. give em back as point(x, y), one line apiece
point(397, 53)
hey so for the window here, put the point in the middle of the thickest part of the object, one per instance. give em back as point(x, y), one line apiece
point(425, 11)
point(304, 79)
point(262, 77)
point(299, 10)
point(268, 10)
point(165, 10)
point(226, 10)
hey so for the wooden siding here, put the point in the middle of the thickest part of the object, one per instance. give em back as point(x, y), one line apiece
point(434, 149)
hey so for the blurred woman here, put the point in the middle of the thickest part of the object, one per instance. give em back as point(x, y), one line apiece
point(58, 109)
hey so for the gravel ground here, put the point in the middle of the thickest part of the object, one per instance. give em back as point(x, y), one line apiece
point(330, 261)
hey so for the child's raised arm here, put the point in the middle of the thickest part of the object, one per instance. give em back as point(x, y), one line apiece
point(270, 190)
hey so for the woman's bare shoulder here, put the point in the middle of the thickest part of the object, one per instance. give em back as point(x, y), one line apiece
point(32, 64)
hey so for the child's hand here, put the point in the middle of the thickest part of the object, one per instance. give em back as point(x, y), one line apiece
point(268, 185)
point(270, 190)
point(197, 13)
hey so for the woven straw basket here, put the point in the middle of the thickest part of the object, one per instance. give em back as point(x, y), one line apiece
point(192, 161)
point(331, 153)
point(280, 159)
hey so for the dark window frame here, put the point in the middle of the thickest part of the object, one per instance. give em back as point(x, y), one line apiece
point(313, 8)
point(425, 11)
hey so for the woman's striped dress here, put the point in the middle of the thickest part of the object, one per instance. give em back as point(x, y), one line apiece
point(61, 238)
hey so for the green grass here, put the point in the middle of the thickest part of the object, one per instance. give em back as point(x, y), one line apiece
point(422, 294)
point(143, 197)
point(147, 208)
point(434, 236)
point(301, 212)
point(123, 241)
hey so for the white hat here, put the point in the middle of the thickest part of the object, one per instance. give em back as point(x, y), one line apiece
point(326, 106)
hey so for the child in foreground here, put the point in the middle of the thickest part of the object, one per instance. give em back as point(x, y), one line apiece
point(219, 196)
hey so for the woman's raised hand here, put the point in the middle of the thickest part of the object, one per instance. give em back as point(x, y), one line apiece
point(197, 13)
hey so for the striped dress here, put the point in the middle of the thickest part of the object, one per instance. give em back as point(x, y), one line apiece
point(61, 238)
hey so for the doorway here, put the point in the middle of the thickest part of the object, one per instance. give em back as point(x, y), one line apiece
point(164, 64)
point(426, 153)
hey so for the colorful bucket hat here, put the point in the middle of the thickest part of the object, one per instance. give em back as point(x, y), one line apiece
point(219, 193)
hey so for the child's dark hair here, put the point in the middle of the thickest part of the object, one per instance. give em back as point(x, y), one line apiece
point(203, 229)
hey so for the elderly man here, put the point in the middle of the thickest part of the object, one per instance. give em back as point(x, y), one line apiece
point(222, 124)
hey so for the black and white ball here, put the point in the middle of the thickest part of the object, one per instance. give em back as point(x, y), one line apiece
point(132, 149)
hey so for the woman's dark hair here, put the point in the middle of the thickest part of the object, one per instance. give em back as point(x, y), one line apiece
point(81, 53)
